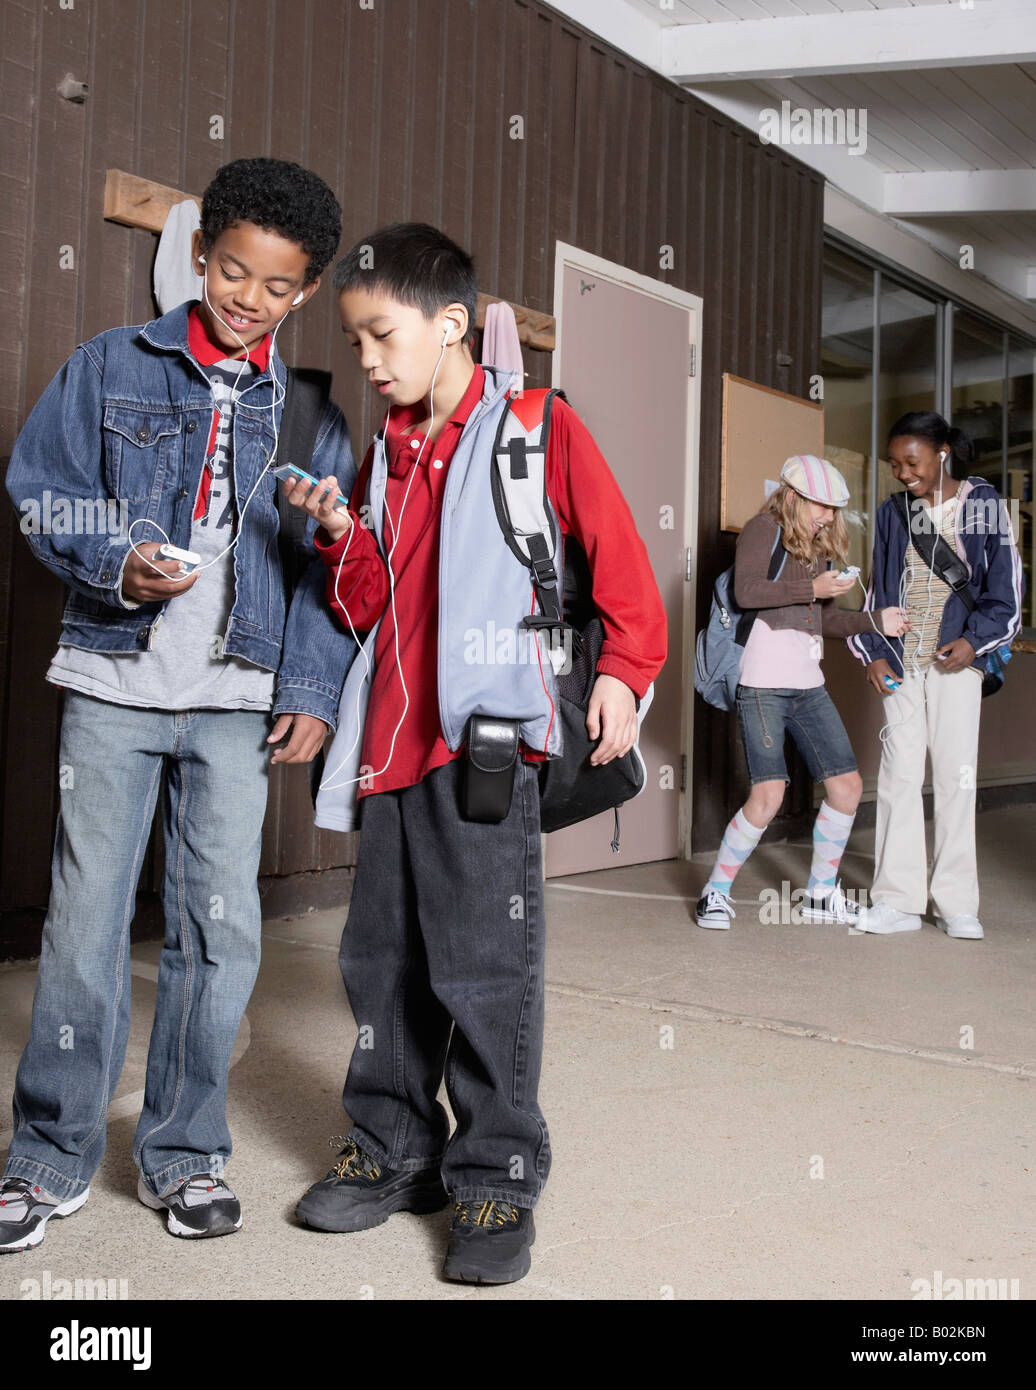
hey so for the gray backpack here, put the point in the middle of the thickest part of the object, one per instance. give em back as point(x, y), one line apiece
point(720, 648)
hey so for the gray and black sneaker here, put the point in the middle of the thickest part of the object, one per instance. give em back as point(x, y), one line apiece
point(359, 1193)
point(200, 1206)
point(490, 1243)
point(715, 910)
point(830, 905)
point(24, 1211)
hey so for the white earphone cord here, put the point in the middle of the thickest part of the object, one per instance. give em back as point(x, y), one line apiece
point(235, 396)
point(328, 783)
point(906, 579)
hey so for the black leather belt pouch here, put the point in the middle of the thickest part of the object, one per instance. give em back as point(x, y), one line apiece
point(488, 780)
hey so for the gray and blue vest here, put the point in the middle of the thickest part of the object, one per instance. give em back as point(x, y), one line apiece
point(486, 663)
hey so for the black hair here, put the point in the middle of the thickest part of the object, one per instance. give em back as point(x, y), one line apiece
point(414, 263)
point(279, 197)
point(934, 430)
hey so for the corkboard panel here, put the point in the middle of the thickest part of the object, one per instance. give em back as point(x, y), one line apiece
point(761, 428)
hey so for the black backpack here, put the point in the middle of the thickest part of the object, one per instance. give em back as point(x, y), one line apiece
point(571, 790)
point(305, 398)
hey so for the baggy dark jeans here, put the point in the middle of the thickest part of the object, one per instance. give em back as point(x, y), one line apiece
point(443, 960)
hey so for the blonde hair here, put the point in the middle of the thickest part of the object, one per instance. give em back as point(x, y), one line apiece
point(791, 511)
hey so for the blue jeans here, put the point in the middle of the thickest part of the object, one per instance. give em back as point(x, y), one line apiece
point(766, 716)
point(112, 760)
point(442, 958)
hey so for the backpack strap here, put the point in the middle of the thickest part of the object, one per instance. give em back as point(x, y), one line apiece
point(778, 555)
point(306, 395)
point(940, 558)
point(520, 496)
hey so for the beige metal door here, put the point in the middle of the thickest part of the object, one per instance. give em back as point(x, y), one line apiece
point(626, 359)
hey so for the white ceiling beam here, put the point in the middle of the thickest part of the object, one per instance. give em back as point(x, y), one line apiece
point(620, 25)
point(992, 31)
point(858, 177)
point(965, 193)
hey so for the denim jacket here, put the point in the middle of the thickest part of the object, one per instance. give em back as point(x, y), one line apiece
point(126, 421)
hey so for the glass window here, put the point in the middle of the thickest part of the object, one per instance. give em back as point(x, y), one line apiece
point(908, 357)
point(847, 366)
point(976, 403)
point(996, 411)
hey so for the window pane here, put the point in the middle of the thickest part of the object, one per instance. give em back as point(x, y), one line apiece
point(907, 380)
point(978, 393)
point(1021, 461)
point(847, 367)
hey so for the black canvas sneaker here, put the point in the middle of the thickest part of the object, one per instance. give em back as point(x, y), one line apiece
point(359, 1193)
point(830, 905)
point(490, 1243)
point(24, 1211)
point(715, 910)
point(200, 1206)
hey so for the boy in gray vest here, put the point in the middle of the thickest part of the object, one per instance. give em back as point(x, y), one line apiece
point(443, 951)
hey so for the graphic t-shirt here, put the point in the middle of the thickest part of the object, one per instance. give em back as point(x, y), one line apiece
point(186, 668)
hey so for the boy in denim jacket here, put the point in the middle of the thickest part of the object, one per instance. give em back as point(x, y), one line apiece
point(170, 680)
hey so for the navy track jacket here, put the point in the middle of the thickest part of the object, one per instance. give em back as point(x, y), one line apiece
point(985, 541)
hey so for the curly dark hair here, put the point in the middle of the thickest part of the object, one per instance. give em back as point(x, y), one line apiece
point(279, 197)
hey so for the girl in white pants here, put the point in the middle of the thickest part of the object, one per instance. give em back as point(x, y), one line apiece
point(932, 682)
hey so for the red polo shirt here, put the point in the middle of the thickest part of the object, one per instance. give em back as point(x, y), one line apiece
point(589, 506)
point(208, 353)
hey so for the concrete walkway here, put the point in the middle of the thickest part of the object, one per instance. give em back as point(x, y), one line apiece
point(777, 1112)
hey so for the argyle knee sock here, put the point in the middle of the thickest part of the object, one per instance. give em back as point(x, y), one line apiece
point(739, 840)
point(830, 834)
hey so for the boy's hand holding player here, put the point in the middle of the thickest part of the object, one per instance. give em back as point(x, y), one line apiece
point(142, 583)
point(318, 499)
point(307, 733)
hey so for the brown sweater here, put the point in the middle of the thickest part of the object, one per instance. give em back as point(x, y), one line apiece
point(786, 602)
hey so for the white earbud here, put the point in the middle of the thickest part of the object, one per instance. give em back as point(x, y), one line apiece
point(942, 458)
point(202, 260)
point(297, 300)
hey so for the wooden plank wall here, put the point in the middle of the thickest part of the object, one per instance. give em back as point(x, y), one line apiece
point(405, 108)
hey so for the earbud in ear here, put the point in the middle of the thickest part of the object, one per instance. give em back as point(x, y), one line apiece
point(942, 458)
point(450, 325)
point(202, 260)
point(297, 299)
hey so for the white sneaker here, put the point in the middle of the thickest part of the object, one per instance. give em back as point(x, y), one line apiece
point(832, 906)
point(885, 920)
point(962, 925)
point(715, 910)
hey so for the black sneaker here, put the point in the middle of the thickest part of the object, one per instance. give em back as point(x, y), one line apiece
point(830, 905)
point(715, 909)
point(489, 1243)
point(200, 1206)
point(359, 1193)
point(24, 1211)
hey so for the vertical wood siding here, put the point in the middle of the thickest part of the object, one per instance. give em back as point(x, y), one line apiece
point(406, 110)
